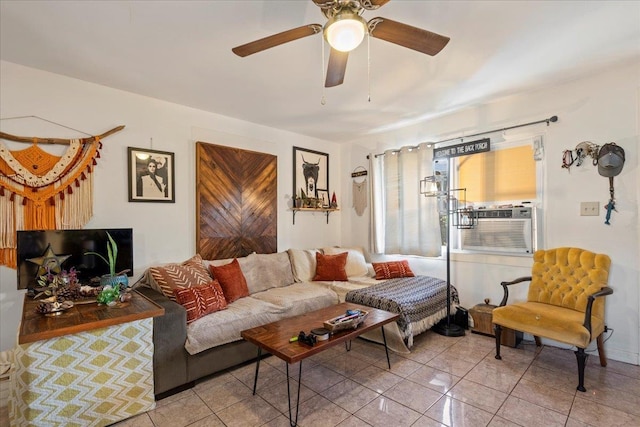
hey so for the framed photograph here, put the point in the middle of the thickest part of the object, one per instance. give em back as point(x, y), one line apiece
point(310, 172)
point(151, 175)
point(323, 196)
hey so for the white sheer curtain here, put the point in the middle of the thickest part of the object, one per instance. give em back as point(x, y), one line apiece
point(402, 220)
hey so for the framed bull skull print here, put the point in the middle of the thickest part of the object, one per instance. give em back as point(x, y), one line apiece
point(310, 172)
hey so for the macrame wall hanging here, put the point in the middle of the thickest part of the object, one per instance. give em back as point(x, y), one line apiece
point(360, 189)
point(41, 191)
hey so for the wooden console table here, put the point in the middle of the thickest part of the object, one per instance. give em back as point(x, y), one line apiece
point(92, 365)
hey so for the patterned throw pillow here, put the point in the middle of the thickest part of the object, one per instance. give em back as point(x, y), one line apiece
point(331, 267)
point(231, 279)
point(201, 300)
point(177, 276)
point(392, 269)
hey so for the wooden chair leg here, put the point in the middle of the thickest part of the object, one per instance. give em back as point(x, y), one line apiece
point(537, 339)
point(581, 356)
point(498, 332)
point(601, 353)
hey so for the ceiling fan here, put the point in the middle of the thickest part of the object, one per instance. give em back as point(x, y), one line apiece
point(344, 31)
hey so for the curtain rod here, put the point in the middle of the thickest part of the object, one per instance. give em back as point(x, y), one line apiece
point(551, 119)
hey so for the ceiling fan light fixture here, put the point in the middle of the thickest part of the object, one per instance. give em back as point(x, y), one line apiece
point(345, 31)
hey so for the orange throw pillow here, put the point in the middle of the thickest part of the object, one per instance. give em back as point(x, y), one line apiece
point(231, 279)
point(201, 300)
point(331, 267)
point(392, 269)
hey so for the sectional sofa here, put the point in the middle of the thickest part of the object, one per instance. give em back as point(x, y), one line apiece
point(278, 286)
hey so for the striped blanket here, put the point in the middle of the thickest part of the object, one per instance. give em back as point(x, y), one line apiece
point(420, 301)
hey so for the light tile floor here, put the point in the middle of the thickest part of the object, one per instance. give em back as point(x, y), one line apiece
point(444, 381)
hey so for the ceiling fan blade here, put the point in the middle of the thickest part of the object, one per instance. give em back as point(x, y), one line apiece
point(405, 35)
point(277, 39)
point(336, 68)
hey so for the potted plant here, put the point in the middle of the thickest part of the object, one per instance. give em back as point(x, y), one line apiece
point(113, 279)
point(297, 202)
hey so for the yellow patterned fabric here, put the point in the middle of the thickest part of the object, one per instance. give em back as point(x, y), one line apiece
point(549, 321)
point(92, 378)
point(567, 276)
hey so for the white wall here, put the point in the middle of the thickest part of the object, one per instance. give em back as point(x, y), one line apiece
point(162, 232)
point(602, 108)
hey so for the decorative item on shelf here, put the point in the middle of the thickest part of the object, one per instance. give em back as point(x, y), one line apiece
point(334, 201)
point(62, 286)
point(53, 308)
point(60, 289)
point(303, 199)
point(323, 198)
point(109, 295)
point(114, 280)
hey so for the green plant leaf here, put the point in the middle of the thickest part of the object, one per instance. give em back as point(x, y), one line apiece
point(112, 255)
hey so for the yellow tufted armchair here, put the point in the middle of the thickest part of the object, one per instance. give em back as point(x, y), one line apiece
point(562, 303)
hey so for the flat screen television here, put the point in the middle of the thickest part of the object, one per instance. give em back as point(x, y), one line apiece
point(68, 247)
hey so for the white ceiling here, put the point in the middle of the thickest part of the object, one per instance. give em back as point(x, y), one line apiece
point(180, 51)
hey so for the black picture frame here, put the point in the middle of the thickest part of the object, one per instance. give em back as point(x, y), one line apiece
point(147, 187)
point(308, 177)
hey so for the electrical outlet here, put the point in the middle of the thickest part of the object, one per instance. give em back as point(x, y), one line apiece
point(589, 208)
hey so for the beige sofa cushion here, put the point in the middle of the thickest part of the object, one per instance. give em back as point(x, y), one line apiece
point(303, 263)
point(224, 326)
point(299, 298)
point(262, 271)
point(266, 271)
point(356, 263)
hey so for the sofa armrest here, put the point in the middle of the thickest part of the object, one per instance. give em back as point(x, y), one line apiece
point(605, 290)
point(506, 290)
point(169, 337)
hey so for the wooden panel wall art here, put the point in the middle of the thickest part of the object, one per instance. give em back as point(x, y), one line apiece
point(236, 202)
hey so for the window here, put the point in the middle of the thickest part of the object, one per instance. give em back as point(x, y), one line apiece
point(507, 175)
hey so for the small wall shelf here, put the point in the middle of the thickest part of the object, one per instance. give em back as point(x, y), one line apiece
point(326, 211)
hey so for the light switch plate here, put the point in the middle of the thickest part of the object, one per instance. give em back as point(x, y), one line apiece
point(589, 208)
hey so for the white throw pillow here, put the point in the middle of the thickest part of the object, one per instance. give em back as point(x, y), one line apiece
point(303, 263)
point(266, 271)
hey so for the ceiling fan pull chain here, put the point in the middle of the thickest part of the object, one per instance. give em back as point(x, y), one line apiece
point(323, 101)
point(368, 67)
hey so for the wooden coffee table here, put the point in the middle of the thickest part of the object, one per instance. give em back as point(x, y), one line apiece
point(274, 338)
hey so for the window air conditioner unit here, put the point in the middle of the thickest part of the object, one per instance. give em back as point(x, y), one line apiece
point(505, 230)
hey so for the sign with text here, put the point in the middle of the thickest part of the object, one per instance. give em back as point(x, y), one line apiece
point(464, 149)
